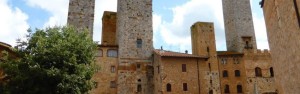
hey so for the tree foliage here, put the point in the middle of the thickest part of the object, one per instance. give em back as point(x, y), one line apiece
point(51, 61)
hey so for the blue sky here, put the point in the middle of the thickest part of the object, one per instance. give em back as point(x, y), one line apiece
point(171, 20)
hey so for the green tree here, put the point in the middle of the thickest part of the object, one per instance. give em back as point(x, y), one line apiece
point(56, 60)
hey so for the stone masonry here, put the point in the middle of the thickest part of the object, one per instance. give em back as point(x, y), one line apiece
point(134, 37)
point(238, 25)
point(282, 23)
point(203, 44)
point(81, 14)
point(109, 25)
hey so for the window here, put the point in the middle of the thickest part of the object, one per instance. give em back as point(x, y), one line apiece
point(138, 66)
point(223, 61)
point(236, 60)
point(226, 89)
point(112, 69)
point(225, 73)
point(112, 53)
point(169, 88)
point(139, 43)
point(271, 72)
point(185, 88)
point(99, 53)
point(139, 88)
point(113, 84)
point(237, 73)
point(211, 92)
point(207, 49)
point(239, 88)
point(183, 67)
point(258, 72)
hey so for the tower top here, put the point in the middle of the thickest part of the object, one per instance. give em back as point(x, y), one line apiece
point(81, 14)
point(239, 27)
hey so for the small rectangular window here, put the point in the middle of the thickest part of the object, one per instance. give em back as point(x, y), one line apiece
point(183, 67)
point(139, 43)
point(138, 66)
point(112, 53)
point(139, 88)
point(113, 69)
point(113, 84)
point(185, 88)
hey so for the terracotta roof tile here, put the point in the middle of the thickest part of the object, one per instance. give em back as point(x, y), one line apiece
point(176, 54)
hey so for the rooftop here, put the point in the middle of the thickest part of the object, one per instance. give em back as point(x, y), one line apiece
point(164, 53)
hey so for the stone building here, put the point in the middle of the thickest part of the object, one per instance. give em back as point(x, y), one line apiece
point(128, 63)
point(282, 22)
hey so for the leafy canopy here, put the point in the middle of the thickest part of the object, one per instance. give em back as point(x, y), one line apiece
point(52, 61)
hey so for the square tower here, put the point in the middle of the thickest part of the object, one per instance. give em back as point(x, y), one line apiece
point(204, 44)
point(109, 25)
point(239, 27)
point(81, 14)
point(134, 37)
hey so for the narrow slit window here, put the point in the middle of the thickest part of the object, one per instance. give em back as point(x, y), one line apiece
point(139, 43)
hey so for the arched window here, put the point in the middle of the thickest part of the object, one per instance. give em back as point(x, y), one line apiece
point(225, 73)
point(258, 72)
point(237, 73)
point(271, 72)
point(226, 89)
point(239, 88)
point(112, 53)
point(169, 88)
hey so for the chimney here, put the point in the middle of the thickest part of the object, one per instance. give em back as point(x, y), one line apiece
point(186, 51)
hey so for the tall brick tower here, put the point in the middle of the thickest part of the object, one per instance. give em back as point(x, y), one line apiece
point(238, 25)
point(203, 44)
point(81, 14)
point(134, 31)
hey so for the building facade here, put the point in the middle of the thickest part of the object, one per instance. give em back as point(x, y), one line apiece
point(283, 29)
point(128, 63)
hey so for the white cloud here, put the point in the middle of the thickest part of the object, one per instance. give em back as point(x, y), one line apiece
point(13, 23)
point(58, 10)
point(177, 32)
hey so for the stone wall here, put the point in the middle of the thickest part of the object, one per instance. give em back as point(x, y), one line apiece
point(231, 63)
point(109, 23)
point(238, 23)
point(283, 34)
point(134, 36)
point(259, 59)
point(106, 74)
point(81, 14)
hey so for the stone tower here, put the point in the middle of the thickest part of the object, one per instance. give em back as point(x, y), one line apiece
point(81, 14)
point(109, 23)
point(282, 19)
point(238, 25)
point(203, 44)
point(134, 31)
